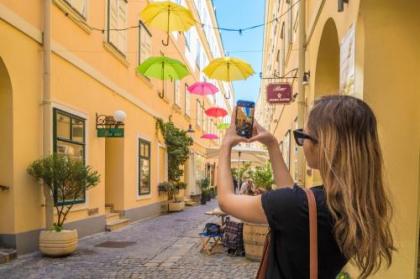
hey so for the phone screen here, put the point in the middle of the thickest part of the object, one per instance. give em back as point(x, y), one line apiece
point(244, 118)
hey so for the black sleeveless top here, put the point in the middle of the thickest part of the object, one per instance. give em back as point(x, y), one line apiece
point(287, 214)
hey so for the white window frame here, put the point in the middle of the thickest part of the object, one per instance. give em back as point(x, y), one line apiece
point(84, 12)
point(121, 37)
point(143, 32)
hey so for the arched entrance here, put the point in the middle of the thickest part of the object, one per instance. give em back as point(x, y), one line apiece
point(327, 74)
point(6, 154)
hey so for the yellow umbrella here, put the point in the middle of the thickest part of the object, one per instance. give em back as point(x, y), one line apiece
point(228, 69)
point(168, 17)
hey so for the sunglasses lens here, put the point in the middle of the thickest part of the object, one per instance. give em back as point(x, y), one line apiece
point(299, 141)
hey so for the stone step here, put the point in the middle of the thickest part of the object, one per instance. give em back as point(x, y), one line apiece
point(108, 209)
point(112, 216)
point(7, 255)
point(117, 224)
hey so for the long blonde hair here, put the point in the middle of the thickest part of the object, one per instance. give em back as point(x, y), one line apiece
point(350, 163)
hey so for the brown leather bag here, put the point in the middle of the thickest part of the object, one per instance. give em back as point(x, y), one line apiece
point(313, 241)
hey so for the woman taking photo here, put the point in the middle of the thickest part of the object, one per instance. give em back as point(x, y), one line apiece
point(341, 141)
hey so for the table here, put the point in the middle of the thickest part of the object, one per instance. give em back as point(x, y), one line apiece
point(219, 213)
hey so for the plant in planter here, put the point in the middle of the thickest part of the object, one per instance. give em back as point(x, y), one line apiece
point(178, 147)
point(254, 234)
point(67, 179)
point(204, 185)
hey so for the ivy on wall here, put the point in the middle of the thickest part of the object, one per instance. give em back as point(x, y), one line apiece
point(177, 145)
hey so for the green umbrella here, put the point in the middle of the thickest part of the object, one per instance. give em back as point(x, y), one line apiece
point(223, 126)
point(163, 68)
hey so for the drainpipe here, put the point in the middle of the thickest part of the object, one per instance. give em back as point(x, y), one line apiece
point(46, 106)
point(301, 87)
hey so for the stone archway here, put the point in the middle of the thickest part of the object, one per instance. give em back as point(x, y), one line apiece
point(6, 155)
point(327, 74)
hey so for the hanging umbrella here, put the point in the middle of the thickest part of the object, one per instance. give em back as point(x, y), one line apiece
point(167, 16)
point(163, 68)
point(209, 136)
point(223, 126)
point(202, 88)
point(228, 69)
point(216, 112)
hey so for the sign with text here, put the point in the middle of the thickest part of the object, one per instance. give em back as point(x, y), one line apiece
point(279, 93)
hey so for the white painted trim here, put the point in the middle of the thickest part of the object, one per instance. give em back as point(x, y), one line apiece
point(138, 196)
point(19, 23)
point(159, 145)
point(84, 115)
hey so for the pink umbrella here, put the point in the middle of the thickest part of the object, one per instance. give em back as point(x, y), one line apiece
point(209, 136)
point(216, 112)
point(203, 88)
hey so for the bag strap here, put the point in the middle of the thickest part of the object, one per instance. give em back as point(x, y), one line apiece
point(262, 270)
point(313, 234)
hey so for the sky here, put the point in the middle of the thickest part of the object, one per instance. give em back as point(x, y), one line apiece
point(239, 14)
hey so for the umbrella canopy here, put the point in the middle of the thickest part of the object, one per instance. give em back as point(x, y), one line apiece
point(223, 126)
point(216, 112)
point(163, 68)
point(228, 69)
point(203, 88)
point(209, 136)
point(167, 16)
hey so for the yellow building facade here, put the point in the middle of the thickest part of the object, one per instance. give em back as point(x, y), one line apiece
point(89, 69)
point(368, 49)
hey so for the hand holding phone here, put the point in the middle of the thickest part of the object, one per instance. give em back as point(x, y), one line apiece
point(244, 121)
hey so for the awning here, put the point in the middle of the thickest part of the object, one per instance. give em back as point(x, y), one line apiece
point(243, 154)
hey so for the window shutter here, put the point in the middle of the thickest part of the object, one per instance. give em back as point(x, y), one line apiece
point(122, 23)
point(113, 22)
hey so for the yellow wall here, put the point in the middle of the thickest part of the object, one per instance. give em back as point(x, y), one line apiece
point(25, 76)
point(6, 151)
point(386, 78)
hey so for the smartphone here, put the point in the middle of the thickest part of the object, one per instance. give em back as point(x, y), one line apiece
point(244, 118)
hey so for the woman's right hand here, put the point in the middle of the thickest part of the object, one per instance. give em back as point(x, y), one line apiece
point(262, 135)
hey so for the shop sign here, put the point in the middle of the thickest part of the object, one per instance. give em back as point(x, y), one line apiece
point(279, 93)
point(110, 132)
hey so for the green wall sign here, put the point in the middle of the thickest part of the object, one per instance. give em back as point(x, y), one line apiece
point(110, 132)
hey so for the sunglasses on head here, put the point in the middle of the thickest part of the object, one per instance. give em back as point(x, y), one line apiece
point(300, 137)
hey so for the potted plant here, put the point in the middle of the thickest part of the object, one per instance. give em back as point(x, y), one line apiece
point(254, 234)
point(172, 189)
point(66, 179)
point(204, 185)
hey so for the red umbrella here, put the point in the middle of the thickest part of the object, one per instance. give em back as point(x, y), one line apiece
point(209, 136)
point(216, 112)
point(203, 88)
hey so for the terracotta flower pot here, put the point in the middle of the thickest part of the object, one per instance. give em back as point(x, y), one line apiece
point(56, 244)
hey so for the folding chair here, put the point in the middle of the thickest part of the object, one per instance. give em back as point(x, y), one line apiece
point(209, 241)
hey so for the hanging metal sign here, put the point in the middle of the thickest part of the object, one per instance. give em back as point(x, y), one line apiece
point(108, 127)
point(279, 93)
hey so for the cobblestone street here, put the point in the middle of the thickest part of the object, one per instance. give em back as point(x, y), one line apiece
point(163, 247)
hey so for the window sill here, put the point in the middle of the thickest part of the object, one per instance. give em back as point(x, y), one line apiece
point(144, 197)
point(164, 99)
point(116, 54)
point(176, 108)
point(146, 80)
point(73, 15)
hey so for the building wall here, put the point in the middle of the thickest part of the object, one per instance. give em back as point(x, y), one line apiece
point(89, 77)
point(385, 77)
